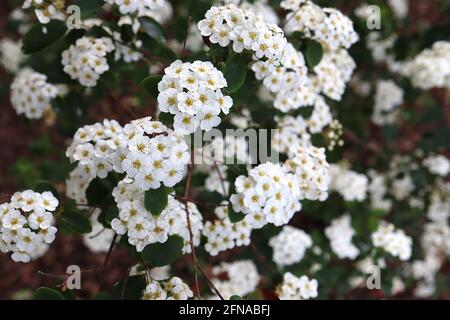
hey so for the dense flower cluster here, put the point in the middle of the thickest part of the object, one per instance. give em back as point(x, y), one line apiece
point(244, 29)
point(340, 234)
point(437, 164)
point(289, 246)
point(27, 224)
point(11, 55)
point(309, 165)
point(350, 184)
point(148, 162)
point(192, 92)
point(86, 61)
point(172, 289)
point(326, 25)
point(388, 96)
point(431, 67)
point(242, 278)
point(294, 288)
point(269, 194)
point(222, 234)
point(31, 94)
point(394, 241)
point(378, 190)
point(159, 10)
point(143, 228)
point(151, 162)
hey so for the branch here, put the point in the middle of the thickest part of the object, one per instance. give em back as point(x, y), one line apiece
point(186, 209)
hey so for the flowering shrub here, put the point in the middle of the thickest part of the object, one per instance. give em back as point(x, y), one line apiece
point(135, 101)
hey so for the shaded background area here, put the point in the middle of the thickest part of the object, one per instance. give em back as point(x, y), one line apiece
point(32, 148)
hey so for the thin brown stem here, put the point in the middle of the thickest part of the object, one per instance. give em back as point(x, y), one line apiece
point(191, 238)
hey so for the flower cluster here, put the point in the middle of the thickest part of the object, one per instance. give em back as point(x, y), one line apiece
point(437, 164)
point(159, 10)
point(27, 224)
point(86, 61)
point(291, 131)
point(172, 289)
point(31, 93)
point(378, 190)
point(326, 25)
point(148, 161)
point(143, 228)
point(431, 67)
point(388, 96)
point(333, 72)
point(241, 278)
point(11, 55)
point(151, 162)
point(310, 167)
point(285, 77)
point(340, 234)
point(394, 241)
point(46, 10)
point(294, 288)
point(244, 29)
point(192, 92)
point(222, 234)
point(289, 246)
point(350, 184)
point(269, 194)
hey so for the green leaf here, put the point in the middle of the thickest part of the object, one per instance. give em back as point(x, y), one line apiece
point(74, 222)
point(151, 85)
point(166, 118)
point(233, 215)
point(41, 36)
point(126, 33)
point(235, 72)
point(161, 254)
point(180, 28)
point(133, 288)
point(43, 186)
point(314, 53)
point(236, 297)
point(44, 293)
point(99, 191)
point(155, 200)
point(152, 28)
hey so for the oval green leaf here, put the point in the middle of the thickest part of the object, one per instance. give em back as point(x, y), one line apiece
point(41, 36)
point(161, 254)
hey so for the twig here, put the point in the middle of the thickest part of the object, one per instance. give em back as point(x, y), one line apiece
point(290, 18)
point(111, 247)
point(222, 181)
point(211, 284)
point(97, 234)
point(125, 283)
point(261, 258)
point(191, 238)
point(183, 52)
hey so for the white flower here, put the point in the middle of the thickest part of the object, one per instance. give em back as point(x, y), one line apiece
point(25, 225)
point(85, 60)
point(289, 246)
point(191, 91)
point(308, 288)
point(31, 94)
